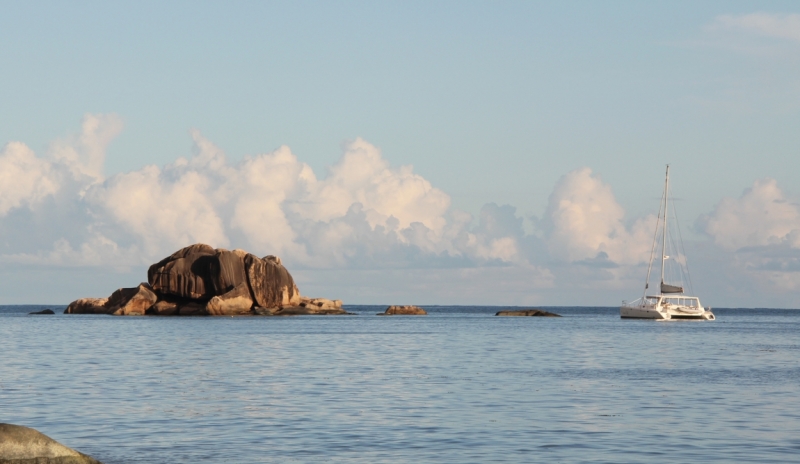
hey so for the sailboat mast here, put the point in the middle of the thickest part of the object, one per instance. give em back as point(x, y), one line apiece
point(664, 233)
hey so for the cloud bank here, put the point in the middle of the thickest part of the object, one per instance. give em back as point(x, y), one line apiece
point(366, 225)
point(363, 214)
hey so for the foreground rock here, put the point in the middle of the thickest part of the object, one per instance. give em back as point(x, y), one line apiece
point(527, 312)
point(44, 311)
point(23, 445)
point(403, 310)
point(199, 280)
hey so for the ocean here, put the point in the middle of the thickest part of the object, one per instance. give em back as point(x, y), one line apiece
point(456, 386)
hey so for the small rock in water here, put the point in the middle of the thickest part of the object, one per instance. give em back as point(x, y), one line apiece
point(20, 444)
point(527, 312)
point(44, 311)
point(408, 310)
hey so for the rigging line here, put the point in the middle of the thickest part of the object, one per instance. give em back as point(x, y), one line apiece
point(677, 276)
point(683, 250)
point(653, 249)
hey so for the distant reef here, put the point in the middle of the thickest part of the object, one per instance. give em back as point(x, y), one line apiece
point(527, 312)
point(409, 310)
point(203, 281)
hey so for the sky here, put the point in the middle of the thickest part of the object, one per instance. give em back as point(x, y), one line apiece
point(501, 153)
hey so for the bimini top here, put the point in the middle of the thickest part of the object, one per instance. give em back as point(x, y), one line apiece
point(682, 297)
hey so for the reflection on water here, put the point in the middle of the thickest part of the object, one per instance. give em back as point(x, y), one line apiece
point(458, 385)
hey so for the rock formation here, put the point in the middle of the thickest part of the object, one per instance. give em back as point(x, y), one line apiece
point(44, 311)
point(20, 444)
point(87, 306)
point(131, 301)
point(527, 312)
point(200, 280)
point(403, 310)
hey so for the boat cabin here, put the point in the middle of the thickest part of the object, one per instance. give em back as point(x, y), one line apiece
point(686, 301)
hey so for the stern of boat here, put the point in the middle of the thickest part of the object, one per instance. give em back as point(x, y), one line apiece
point(630, 311)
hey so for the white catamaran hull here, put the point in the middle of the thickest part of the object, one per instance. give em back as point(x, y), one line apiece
point(653, 312)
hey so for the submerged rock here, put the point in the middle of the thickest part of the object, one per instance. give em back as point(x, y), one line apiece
point(25, 445)
point(307, 306)
point(44, 311)
point(527, 312)
point(408, 310)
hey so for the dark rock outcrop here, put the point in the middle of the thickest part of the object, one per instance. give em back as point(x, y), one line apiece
point(44, 311)
point(185, 273)
point(24, 445)
point(408, 310)
point(527, 312)
point(202, 281)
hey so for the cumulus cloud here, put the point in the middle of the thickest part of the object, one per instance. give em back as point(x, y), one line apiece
point(584, 222)
point(363, 219)
point(25, 180)
point(363, 214)
point(760, 230)
point(85, 153)
point(763, 215)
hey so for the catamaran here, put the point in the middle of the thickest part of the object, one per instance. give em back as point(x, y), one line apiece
point(670, 302)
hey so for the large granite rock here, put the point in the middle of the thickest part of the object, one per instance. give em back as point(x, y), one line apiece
point(23, 445)
point(527, 312)
point(408, 310)
point(164, 308)
point(271, 284)
point(185, 273)
point(199, 281)
point(131, 301)
point(237, 301)
point(87, 306)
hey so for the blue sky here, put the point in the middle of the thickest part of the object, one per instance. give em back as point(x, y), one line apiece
point(492, 103)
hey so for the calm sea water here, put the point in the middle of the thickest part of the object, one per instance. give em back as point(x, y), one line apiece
point(458, 385)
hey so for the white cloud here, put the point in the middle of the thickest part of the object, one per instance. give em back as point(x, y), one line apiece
point(363, 220)
point(762, 216)
point(584, 221)
point(363, 176)
point(759, 234)
point(25, 180)
point(783, 26)
point(85, 153)
point(363, 214)
point(96, 251)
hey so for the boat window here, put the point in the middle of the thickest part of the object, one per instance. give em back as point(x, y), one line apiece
point(691, 302)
